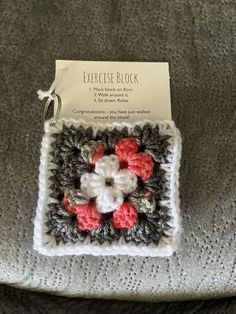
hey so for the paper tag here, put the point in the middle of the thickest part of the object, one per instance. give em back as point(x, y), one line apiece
point(113, 91)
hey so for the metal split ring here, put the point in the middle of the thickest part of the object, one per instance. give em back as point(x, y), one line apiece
point(57, 102)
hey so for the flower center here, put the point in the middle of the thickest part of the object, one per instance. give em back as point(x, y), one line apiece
point(123, 164)
point(109, 182)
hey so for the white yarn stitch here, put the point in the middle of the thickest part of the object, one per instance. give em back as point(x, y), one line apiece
point(125, 181)
point(107, 166)
point(46, 244)
point(111, 197)
point(91, 184)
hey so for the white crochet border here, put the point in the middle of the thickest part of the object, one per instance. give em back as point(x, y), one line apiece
point(46, 244)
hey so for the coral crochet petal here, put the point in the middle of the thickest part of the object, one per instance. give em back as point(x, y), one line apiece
point(88, 218)
point(99, 153)
point(74, 209)
point(126, 147)
point(141, 164)
point(125, 217)
point(97, 156)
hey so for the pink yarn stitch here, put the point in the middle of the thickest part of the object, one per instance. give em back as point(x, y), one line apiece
point(74, 209)
point(141, 164)
point(88, 217)
point(124, 148)
point(99, 153)
point(125, 216)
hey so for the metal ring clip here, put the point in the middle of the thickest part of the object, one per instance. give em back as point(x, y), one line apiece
point(57, 102)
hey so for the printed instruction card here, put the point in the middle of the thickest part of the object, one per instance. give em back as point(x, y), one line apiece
point(113, 91)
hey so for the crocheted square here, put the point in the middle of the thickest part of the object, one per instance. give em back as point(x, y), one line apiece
point(108, 189)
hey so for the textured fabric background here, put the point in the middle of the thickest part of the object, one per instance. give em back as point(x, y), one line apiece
point(27, 302)
point(198, 39)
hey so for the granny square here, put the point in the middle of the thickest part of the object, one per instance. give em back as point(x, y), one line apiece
point(108, 189)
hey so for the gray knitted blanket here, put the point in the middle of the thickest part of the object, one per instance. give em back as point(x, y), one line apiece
point(197, 38)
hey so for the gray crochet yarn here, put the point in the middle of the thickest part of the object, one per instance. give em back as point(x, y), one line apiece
point(88, 150)
point(72, 152)
point(143, 204)
point(76, 197)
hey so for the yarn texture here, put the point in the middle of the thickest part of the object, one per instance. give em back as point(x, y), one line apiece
point(88, 217)
point(108, 184)
point(125, 216)
point(109, 189)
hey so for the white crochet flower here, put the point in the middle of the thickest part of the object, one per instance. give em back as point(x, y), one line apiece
point(108, 184)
